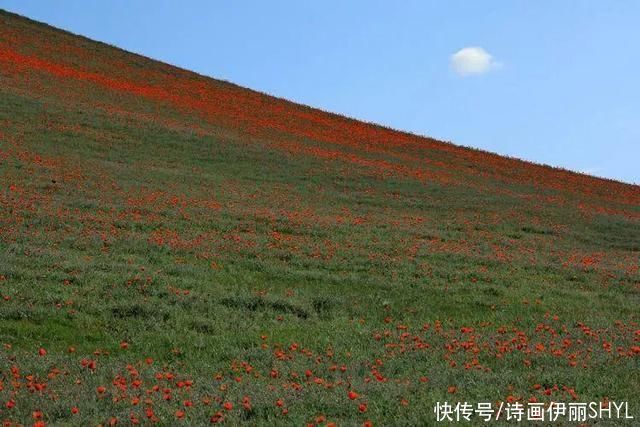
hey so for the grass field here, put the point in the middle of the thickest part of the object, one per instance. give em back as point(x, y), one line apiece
point(179, 250)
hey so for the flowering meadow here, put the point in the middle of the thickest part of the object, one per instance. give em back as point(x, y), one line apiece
point(178, 250)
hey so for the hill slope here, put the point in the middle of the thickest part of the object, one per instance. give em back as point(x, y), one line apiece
point(173, 246)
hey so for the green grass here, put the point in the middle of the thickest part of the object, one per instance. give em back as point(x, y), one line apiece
point(191, 247)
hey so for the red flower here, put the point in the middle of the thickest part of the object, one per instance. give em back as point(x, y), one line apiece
point(42, 352)
point(353, 395)
point(246, 403)
point(217, 418)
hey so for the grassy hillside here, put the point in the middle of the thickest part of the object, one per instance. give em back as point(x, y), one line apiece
point(177, 249)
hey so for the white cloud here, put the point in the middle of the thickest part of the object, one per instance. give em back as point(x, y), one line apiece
point(472, 60)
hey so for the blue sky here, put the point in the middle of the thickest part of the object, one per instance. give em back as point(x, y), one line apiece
point(550, 81)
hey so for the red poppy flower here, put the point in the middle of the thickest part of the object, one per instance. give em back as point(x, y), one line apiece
point(216, 418)
point(246, 403)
